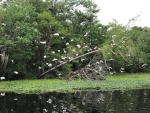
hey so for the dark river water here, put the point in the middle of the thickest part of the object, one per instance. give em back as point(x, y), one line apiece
point(134, 101)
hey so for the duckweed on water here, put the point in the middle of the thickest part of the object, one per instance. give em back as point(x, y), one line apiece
point(117, 82)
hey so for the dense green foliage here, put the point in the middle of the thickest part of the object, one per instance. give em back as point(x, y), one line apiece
point(127, 48)
point(38, 35)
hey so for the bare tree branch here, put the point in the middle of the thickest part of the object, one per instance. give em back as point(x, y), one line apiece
point(85, 74)
point(132, 20)
point(59, 65)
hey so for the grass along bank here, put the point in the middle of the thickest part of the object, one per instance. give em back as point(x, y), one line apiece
point(115, 82)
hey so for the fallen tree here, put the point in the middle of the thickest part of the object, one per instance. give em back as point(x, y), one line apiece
point(95, 69)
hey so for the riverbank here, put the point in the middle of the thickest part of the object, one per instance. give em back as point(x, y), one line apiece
point(115, 82)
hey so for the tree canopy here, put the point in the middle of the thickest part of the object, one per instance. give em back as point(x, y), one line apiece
point(39, 35)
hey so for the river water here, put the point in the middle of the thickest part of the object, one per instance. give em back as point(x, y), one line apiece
point(132, 101)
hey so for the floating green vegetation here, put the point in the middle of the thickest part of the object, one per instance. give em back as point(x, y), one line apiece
point(116, 82)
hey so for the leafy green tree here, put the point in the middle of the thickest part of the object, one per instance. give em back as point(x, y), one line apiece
point(37, 35)
point(19, 31)
point(79, 32)
point(124, 49)
point(139, 49)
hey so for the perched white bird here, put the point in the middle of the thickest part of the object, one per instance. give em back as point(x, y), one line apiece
point(109, 67)
point(60, 62)
point(3, 24)
point(85, 46)
point(101, 61)
point(85, 34)
point(15, 99)
point(62, 37)
point(15, 72)
point(79, 46)
point(63, 58)
point(2, 94)
point(88, 65)
point(2, 78)
point(45, 110)
point(55, 59)
point(12, 61)
point(49, 101)
point(100, 28)
point(123, 42)
point(56, 34)
point(100, 68)
point(43, 42)
point(70, 58)
point(97, 62)
point(110, 28)
point(95, 47)
point(73, 50)
point(111, 73)
point(44, 56)
point(67, 43)
point(59, 74)
point(53, 52)
point(128, 55)
point(64, 51)
point(122, 69)
point(113, 36)
point(49, 65)
point(82, 59)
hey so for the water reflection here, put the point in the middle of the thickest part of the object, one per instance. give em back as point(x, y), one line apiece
point(135, 101)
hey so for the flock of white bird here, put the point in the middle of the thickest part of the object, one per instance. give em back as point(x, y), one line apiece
point(65, 51)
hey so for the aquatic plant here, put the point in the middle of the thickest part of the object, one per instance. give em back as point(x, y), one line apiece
point(122, 82)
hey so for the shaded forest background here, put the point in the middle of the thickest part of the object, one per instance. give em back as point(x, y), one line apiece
point(38, 35)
